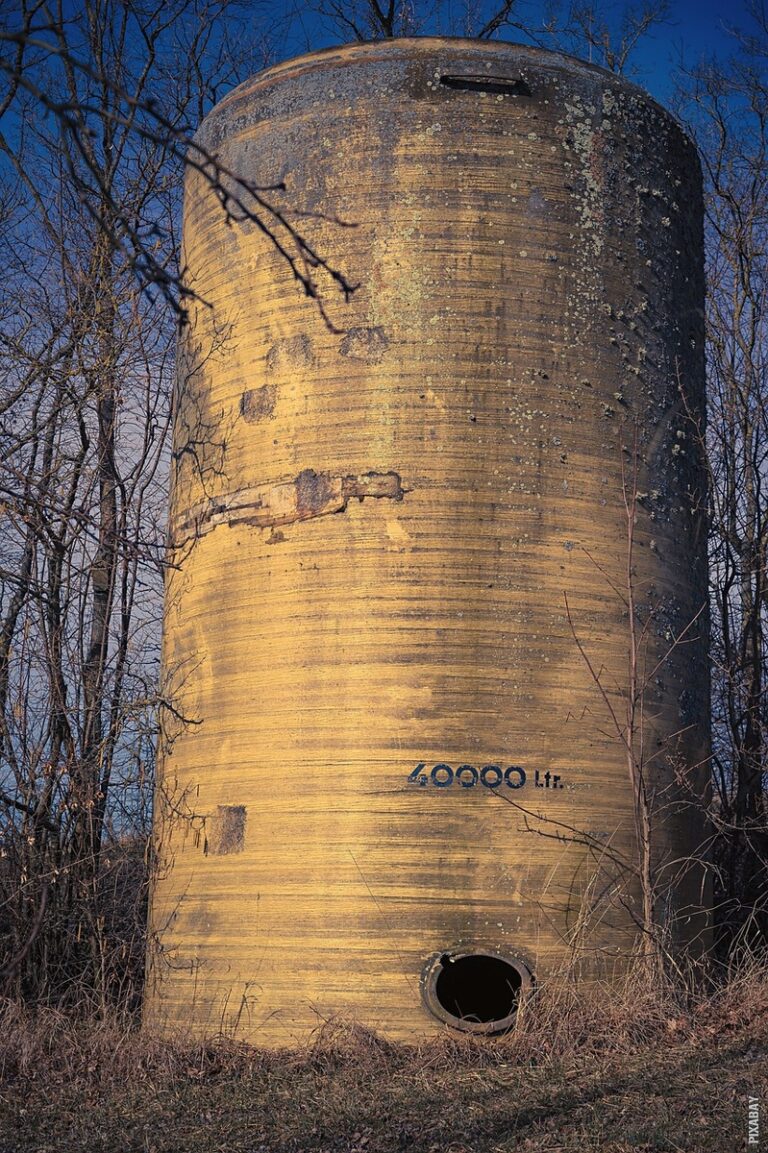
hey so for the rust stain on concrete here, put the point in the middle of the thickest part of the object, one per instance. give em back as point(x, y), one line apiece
point(366, 344)
point(258, 403)
point(228, 830)
point(290, 352)
point(310, 494)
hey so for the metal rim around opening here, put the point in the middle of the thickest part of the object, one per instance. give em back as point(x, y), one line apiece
point(467, 988)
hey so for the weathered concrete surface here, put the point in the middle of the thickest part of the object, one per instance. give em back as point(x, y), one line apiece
point(522, 362)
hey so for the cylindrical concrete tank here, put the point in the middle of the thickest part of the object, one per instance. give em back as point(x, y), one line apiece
point(438, 589)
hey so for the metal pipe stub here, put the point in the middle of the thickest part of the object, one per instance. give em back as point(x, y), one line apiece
point(475, 991)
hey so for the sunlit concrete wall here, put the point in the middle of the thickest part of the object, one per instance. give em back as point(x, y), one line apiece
point(409, 538)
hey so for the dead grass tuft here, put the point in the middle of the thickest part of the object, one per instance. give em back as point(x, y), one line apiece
point(340, 1043)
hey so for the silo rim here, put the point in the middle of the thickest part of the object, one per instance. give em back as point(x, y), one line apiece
point(409, 46)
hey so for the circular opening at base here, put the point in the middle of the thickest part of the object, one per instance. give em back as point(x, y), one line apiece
point(476, 992)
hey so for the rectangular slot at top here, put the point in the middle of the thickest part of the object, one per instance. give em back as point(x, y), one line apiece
point(502, 85)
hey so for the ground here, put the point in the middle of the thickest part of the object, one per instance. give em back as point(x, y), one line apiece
point(628, 1072)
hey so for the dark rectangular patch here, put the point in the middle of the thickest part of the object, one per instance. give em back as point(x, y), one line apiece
point(228, 829)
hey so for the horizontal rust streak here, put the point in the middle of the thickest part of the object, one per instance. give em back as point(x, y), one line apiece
point(376, 484)
point(310, 494)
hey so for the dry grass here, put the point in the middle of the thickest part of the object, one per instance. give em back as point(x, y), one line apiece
point(583, 1071)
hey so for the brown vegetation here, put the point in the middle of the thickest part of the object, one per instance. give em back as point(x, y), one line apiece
point(639, 1068)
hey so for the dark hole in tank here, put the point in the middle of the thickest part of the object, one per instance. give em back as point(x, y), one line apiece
point(498, 84)
point(478, 988)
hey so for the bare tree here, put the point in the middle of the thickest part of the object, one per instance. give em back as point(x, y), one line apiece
point(373, 20)
point(91, 196)
point(727, 108)
point(604, 37)
point(129, 87)
point(595, 31)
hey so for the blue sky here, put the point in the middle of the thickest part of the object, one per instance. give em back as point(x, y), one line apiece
point(695, 29)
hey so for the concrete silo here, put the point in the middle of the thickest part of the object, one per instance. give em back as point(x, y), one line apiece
point(438, 587)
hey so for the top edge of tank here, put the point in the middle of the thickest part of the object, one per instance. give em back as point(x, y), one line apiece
point(404, 48)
